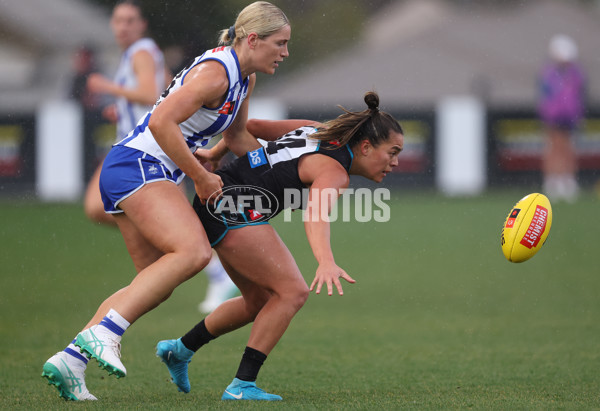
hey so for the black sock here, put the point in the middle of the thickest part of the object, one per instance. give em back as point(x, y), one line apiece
point(197, 337)
point(250, 365)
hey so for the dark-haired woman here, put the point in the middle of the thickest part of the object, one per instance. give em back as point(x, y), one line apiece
point(311, 155)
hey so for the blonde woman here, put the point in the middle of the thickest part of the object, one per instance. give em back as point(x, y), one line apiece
point(139, 181)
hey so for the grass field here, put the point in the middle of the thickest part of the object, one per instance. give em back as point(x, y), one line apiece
point(438, 319)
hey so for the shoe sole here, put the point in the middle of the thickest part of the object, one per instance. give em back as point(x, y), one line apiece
point(89, 353)
point(249, 399)
point(55, 378)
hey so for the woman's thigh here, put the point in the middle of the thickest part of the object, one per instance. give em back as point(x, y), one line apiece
point(162, 214)
point(259, 257)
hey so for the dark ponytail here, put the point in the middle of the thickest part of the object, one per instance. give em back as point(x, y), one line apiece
point(352, 127)
point(372, 101)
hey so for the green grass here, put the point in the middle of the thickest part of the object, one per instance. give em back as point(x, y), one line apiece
point(438, 319)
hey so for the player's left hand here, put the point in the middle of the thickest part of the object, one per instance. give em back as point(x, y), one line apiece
point(208, 159)
point(330, 274)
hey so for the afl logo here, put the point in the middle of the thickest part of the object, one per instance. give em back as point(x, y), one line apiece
point(240, 205)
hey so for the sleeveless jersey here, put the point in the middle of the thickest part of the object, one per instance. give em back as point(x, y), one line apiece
point(129, 113)
point(259, 185)
point(274, 166)
point(205, 123)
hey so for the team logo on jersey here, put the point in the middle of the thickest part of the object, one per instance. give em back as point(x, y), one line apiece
point(227, 108)
point(239, 205)
point(257, 158)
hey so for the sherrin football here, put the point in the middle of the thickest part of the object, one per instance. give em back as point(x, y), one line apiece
point(526, 228)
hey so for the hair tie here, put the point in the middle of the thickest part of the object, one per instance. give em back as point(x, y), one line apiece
point(231, 32)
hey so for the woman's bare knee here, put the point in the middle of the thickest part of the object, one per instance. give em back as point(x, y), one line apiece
point(196, 259)
point(300, 297)
point(295, 296)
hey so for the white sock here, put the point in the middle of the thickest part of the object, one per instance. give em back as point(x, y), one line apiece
point(114, 322)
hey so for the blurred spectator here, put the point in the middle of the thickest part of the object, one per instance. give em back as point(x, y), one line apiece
point(84, 64)
point(175, 58)
point(561, 109)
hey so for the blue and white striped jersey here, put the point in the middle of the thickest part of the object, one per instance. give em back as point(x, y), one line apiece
point(129, 113)
point(205, 123)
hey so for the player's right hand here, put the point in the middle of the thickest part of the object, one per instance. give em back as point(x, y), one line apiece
point(209, 188)
point(329, 274)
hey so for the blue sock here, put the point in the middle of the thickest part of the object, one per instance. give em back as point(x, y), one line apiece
point(75, 352)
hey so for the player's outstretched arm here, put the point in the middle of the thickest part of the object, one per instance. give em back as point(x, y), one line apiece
point(326, 178)
point(273, 129)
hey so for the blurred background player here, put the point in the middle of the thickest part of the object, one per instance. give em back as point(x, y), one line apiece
point(561, 109)
point(137, 84)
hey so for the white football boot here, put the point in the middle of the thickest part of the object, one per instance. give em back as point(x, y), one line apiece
point(104, 346)
point(67, 374)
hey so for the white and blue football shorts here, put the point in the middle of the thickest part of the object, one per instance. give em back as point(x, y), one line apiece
point(125, 171)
